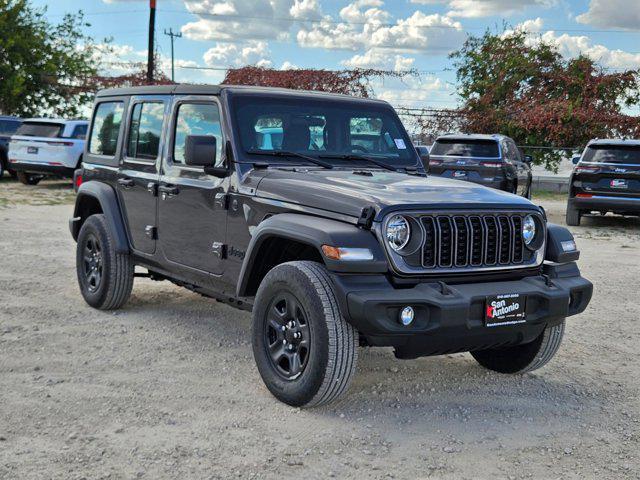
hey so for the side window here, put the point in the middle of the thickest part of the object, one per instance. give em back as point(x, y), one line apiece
point(106, 127)
point(510, 150)
point(145, 130)
point(79, 132)
point(197, 119)
point(368, 134)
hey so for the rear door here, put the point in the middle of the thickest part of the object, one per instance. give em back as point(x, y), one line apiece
point(611, 170)
point(138, 174)
point(192, 204)
point(520, 168)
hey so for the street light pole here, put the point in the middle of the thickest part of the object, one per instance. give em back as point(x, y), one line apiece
point(152, 31)
point(173, 36)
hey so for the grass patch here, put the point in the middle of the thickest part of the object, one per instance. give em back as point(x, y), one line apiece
point(546, 195)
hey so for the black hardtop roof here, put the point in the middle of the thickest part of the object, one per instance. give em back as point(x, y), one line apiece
point(190, 89)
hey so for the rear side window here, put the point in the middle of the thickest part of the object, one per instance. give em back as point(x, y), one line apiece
point(629, 154)
point(197, 119)
point(40, 129)
point(145, 130)
point(466, 148)
point(8, 127)
point(106, 127)
point(79, 132)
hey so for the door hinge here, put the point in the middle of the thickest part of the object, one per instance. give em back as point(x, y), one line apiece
point(366, 217)
point(219, 250)
point(151, 232)
point(221, 201)
point(152, 188)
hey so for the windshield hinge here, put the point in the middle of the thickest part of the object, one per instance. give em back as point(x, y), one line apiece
point(366, 217)
point(221, 201)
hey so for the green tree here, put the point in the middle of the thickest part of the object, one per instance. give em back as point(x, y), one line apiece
point(528, 91)
point(44, 68)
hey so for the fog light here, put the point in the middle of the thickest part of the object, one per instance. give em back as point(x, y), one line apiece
point(406, 316)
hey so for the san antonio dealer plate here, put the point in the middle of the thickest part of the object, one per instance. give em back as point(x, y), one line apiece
point(505, 309)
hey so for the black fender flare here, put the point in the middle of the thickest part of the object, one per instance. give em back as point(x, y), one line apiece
point(314, 231)
point(556, 250)
point(106, 196)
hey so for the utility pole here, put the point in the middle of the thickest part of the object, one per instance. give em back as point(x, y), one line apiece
point(173, 36)
point(152, 32)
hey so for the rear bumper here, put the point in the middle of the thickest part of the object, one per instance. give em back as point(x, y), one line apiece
point(453, 320)
point(42, 168)
point(604, 202)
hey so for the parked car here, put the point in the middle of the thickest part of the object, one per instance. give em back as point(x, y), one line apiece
point(332, 244)
point(606, 178)
point(46, 147)
point(491, 160)
point(8, 126)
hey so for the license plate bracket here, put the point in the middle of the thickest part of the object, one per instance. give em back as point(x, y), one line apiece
point(505, 309)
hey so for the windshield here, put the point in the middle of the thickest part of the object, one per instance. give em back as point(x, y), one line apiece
point(8, 127)
point(629, 154)
point(466, 148)
point(40, 129)
point(330, 129)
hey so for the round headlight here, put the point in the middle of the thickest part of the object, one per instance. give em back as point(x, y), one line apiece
point(398, 232)
point(528, 230)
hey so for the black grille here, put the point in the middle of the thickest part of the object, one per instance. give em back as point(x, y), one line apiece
point(460, 241)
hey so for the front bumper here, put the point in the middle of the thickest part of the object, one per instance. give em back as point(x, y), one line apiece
point(606, 202)
point(450, 318)
point(42, 168)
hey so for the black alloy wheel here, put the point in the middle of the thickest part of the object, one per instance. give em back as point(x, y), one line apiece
point(92, 262)
point(287, 336)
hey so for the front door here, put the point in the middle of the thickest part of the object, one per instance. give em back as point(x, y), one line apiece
point(138, 173)
point(192, 208)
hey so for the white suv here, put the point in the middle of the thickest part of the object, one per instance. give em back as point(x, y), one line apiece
point(44, 146)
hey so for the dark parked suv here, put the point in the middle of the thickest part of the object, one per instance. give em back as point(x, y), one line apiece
point(8, 127)
point(490, 160)
point(333, 236)
point(606, 179)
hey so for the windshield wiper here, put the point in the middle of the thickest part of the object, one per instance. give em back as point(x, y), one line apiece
point(285, 153)
point(353, 156)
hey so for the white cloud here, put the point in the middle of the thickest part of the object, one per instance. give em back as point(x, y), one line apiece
point(367, 26)
point(287, 65)
point(246, 19)
point(237, 55)
point(415, 92)
point(376, 58)
point(623, 14)
point(487, 8)
point(572, 46)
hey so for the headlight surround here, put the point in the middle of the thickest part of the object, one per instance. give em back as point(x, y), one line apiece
point(398, 232)
point(532, 232)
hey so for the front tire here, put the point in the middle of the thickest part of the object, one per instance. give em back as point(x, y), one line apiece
point(29, 178)
point(304, 349)
point(105, 276)
point(523, 358)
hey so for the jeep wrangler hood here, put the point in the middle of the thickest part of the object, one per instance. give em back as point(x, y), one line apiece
point(346, 192)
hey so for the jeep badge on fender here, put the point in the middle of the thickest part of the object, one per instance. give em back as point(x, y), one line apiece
point(314, 211)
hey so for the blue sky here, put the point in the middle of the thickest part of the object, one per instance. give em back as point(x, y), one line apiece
point(391, 34)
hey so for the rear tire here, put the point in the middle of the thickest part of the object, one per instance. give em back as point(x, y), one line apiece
point(29, 178)
point(296, 313)
point(573, 217)
point(105, 276)
point(523, 358)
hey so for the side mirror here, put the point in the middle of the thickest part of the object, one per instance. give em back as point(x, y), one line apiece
point(528, 159)
point(575, 160)
point(200, 150)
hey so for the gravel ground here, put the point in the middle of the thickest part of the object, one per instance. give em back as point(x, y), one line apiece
point(167, 388)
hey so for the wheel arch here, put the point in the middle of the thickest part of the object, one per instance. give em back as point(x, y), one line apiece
point(99, 198)
point(286, 237)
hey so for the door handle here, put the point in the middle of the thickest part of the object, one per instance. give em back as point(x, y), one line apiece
point(168, 190)
point(126, 182)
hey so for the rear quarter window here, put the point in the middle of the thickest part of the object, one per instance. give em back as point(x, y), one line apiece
point(106, 128)
point(466, 148)
point(8, 127)
point(40, 129)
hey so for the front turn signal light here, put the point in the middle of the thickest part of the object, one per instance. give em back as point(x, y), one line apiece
point(347, 254)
